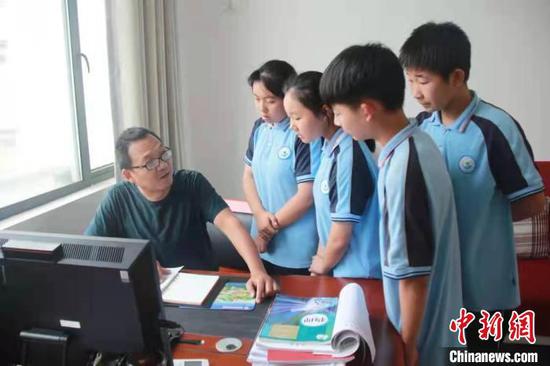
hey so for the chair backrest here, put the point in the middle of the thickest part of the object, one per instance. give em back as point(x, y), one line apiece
point(544, 170)
point(226, 254)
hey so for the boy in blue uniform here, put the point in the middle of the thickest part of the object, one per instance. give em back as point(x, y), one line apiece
point(490, 163)
point(418, 231)
point(278, 178)
point(344, 191)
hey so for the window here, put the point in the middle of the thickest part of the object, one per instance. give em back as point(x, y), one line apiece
point(55, 113)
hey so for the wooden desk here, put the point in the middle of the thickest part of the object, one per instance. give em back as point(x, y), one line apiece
point(389, 347)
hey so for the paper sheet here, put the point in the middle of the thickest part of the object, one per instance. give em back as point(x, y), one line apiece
point(188, 288)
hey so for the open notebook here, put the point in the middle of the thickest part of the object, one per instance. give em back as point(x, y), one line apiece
point(186, 288)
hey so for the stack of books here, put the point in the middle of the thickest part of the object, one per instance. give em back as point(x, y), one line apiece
point(314, 331)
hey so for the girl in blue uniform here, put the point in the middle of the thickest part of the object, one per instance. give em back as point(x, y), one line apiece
point(344, 191)
point(278, 178)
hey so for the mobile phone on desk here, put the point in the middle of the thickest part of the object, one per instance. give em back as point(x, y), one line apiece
point(191, 362)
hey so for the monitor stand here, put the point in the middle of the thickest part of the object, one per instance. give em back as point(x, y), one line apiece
point(49, 347)
point(38, 345)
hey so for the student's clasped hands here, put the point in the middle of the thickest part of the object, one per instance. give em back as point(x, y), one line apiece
point(268, 226)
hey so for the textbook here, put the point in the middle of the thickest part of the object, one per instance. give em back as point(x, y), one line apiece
point(188, 288)
point(300, 329)
point(234, 296)
point(295, 320)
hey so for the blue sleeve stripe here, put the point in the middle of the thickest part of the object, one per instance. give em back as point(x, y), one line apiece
point(362, 182)
point(418, 224)
point(250, 150)
point(406, 275)
point(333, 181)
point(502, 161)
point(346, 220)
point(247, 161)
point(350, 217)
point(302, 164)
point(305, 178)
point(520, 195)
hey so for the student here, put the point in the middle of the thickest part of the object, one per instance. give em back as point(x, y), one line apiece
point(419, 246)
point(278, 178)
point(344, 191)
point(171, 208)
point(490, 163)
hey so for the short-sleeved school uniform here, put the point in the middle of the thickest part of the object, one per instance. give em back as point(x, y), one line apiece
point(280, 161)
point(175, 225)
point(491, 165)
point(419, 236)
point(345, 191)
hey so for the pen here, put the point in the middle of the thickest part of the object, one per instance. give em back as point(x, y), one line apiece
point(196, 342)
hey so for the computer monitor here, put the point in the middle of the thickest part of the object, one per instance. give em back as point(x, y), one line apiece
point(102, 293)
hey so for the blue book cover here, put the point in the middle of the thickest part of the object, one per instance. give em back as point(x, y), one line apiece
point(234, 296)
point(301, 320)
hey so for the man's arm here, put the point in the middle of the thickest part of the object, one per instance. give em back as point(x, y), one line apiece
point(260, 283)
point(336, 246)
point(412, 301)
point(528, 206)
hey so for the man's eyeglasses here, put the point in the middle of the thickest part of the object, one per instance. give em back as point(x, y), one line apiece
point(154, 163)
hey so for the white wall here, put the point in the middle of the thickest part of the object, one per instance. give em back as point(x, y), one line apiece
point(222, 41)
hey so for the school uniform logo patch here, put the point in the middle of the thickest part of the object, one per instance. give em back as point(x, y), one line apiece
point(467, 164)
point(284, 153)
point(324, 187)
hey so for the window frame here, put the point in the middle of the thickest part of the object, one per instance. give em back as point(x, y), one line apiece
point(89, 177)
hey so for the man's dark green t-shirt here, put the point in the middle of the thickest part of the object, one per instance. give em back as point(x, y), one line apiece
point(176, 225)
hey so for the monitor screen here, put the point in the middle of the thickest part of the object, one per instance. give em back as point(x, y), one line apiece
point(101, 293)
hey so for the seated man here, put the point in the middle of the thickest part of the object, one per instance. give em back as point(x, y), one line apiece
point(171, 208)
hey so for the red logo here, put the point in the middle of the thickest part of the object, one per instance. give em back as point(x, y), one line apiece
point(491, 326)
point(461, 324)
point(520, 325)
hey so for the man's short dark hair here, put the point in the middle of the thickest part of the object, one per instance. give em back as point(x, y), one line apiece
point(273, 74)
point(359, 72)
point(440, 48)
point(123, 142)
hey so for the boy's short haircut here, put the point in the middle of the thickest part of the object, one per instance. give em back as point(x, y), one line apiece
point(439, 48)
point(371, 71)
point(273, 74)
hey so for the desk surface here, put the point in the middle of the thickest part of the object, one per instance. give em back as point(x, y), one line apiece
point(389, 348)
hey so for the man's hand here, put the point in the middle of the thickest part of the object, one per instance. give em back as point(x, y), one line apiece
point(261, 285)
point(318, 266)
point(162, 272)
point(267, 224)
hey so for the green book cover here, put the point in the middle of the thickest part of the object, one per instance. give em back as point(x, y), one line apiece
point(296, 319)
point(234, 296)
